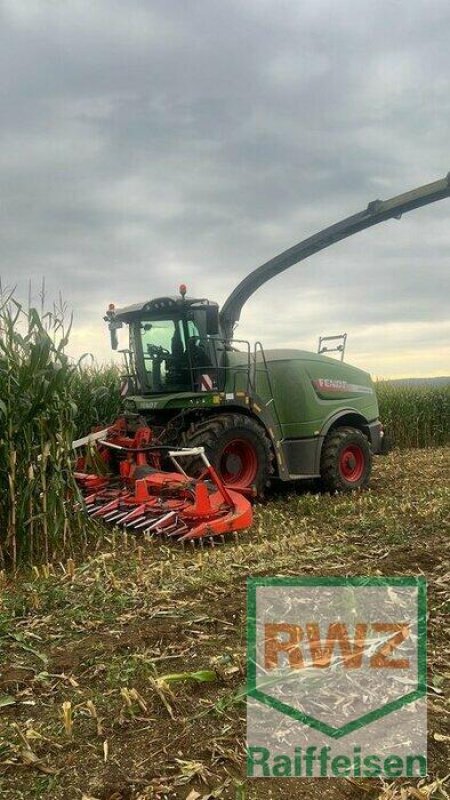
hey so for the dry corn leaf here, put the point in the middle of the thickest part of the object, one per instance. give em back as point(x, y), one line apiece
point(194, 795)
point(31, 760)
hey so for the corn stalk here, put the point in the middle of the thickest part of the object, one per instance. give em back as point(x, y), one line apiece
point(37, 421)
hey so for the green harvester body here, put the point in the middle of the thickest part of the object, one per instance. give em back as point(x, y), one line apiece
point(195, 384)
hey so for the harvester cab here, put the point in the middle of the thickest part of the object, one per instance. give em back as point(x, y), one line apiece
point(174, 344)
point(252, 415)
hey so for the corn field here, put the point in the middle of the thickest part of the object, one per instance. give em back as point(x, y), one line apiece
point(45, 401)
point(415, 415)
point(95, 393)
point(37, 425)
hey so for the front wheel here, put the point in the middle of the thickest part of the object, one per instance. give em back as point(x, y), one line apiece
point(237, 446)
point(346, 460)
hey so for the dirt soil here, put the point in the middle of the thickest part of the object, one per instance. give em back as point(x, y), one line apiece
point(85, 711)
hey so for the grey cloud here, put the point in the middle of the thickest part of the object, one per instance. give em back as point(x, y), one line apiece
point(146, 144)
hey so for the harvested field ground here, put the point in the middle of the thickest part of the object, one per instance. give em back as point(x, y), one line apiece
point(98, 634)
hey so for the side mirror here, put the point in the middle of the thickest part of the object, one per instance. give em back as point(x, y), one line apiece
point(212, 320)
point(113, 325)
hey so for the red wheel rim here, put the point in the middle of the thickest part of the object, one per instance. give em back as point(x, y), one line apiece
point(351, 463)
point(238, 464)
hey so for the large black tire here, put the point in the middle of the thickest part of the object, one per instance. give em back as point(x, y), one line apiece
point(237, 446)
point(346, 460)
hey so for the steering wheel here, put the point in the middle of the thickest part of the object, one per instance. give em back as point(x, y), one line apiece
point(155, 351)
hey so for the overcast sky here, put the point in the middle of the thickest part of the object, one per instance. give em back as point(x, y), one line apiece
point(149, 142)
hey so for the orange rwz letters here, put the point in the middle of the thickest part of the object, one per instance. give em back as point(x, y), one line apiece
point(380, 657)
point(337, 635)
point(285, 637)
point(290, 644)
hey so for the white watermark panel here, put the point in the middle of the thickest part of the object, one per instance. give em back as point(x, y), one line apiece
point(336, 677)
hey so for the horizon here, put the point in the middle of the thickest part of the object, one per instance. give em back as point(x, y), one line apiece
point(102, 354)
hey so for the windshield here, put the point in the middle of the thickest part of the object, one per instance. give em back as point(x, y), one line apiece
point(170, 354)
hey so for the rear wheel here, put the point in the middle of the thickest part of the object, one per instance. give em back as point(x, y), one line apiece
point(346, 460)
point(237, 446)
